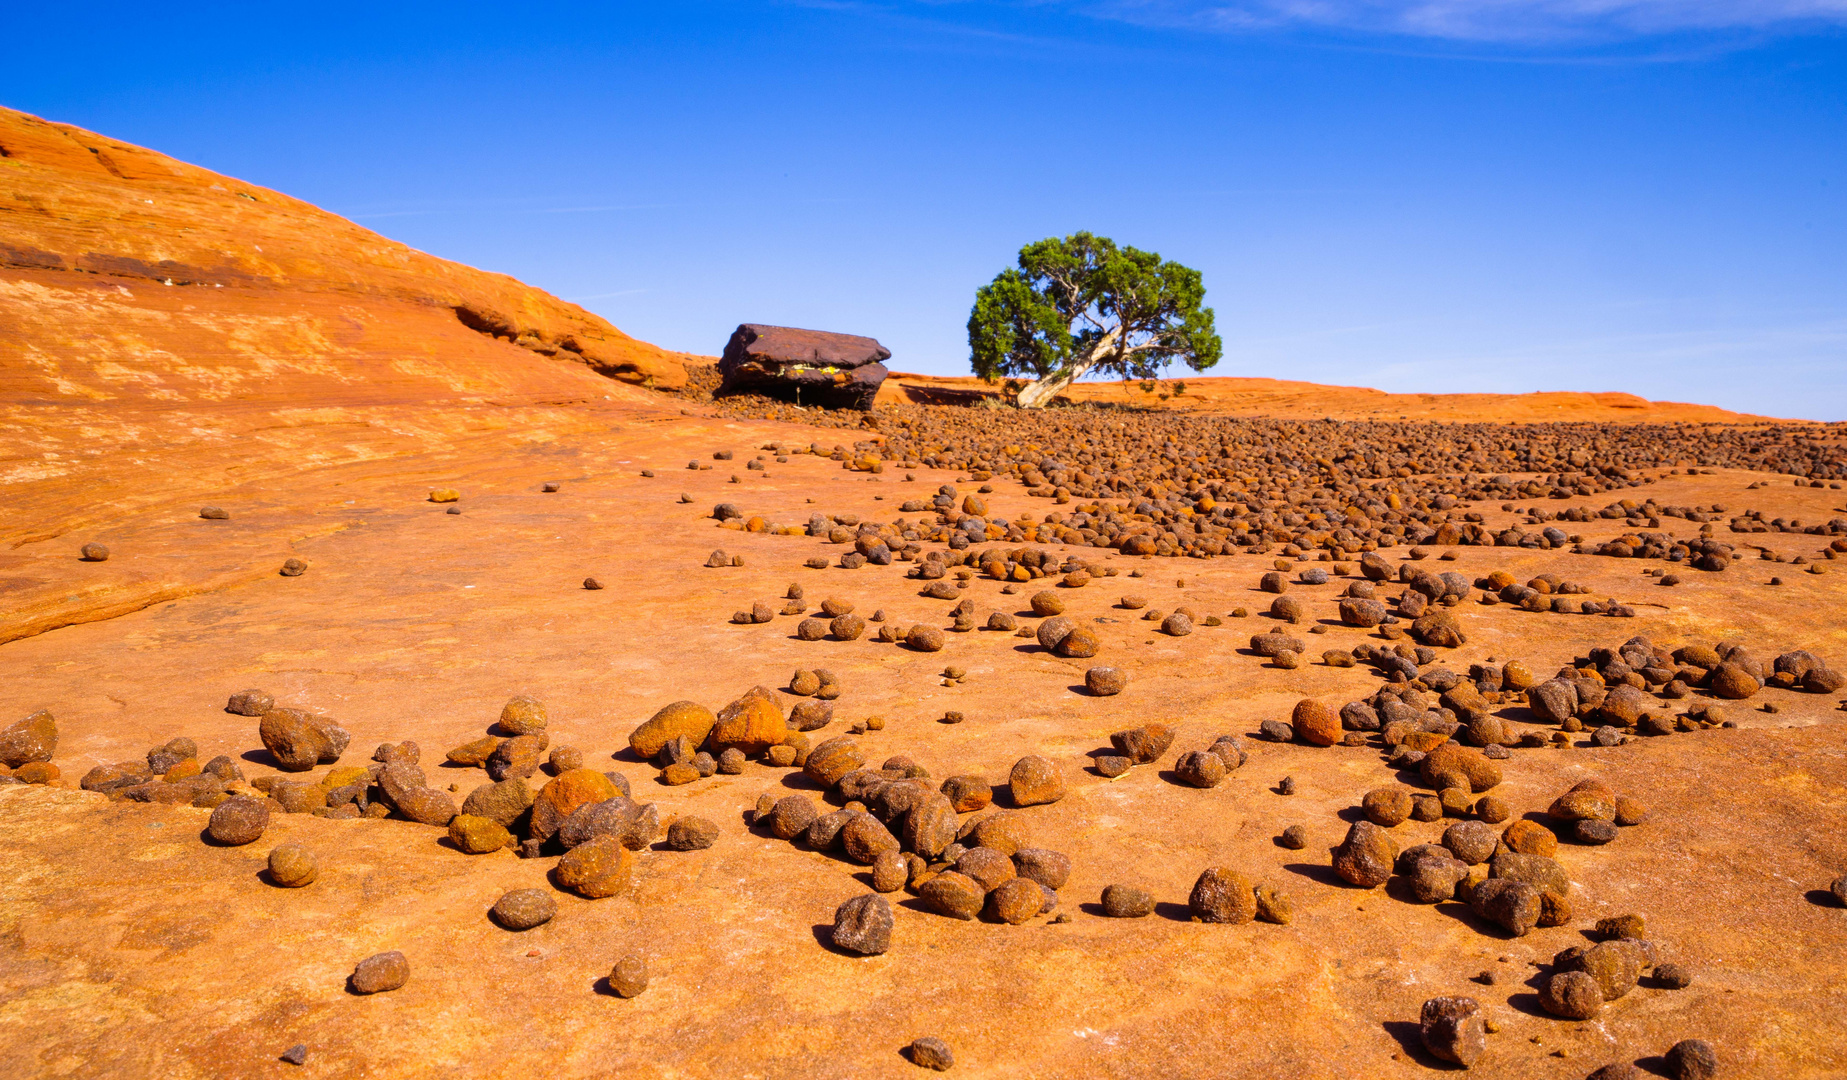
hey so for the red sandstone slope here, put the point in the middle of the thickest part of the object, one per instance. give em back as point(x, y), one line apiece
point(166, 329)
point(174, 283)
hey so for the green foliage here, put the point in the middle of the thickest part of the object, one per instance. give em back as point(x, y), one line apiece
point(1082, 304)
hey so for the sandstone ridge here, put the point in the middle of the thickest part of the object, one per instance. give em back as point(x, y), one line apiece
point(1291, 399)
point(89, 218)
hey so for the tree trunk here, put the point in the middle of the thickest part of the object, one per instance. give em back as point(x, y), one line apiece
point(1038, 393)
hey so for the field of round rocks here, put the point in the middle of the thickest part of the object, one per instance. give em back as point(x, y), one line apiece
point(730, 739)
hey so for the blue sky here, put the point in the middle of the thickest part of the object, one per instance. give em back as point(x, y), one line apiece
point(1447, 195)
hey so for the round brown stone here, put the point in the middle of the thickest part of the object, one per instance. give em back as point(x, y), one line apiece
point(292, 866)
point(953, 894)
point(564, 794)
point(891, 872)
point(1732, 681)
point(682, 718)
point(380, 973)
point(1387, 807)
point(1105, 681)
point(1016, 900)
point(476, 835)
point(523, 909)
point(1492, 809)
point(1513, 905)
point(691, 834)
point(866, 838)
point(1573, 995)
point(1081, 643)
point(1223, 895)
point(597, 868)
point(1530, 838)
point(988, 868)
point(1053, 630)
point(1005, 833)
point(931, 1053)
point(1035, 781)
point(863, 925)
point(1127, 902)
point(924, 638)
point(752, 724)
point(1453, 1029)
point(629, 977)
point(523, 715)
point(238, 820)
point(968, 794)
point(503, 802)
point(1365, 856)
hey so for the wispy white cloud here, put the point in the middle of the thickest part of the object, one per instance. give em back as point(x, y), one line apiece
point(1488, 21)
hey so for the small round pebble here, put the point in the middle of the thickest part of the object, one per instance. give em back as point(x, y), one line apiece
point(292, 866)
point(890, 872)
point(238, 820)
point(477, 835)
point(1573, 995)
point(1127, 902)
point(924, 638)
point(1105, 681)
point(523, 909)
point(1692, 1059)
point(930, 1052)
point(863, 925)
point(682, 773)
point(1295, 838)
point(629, 977)
point(1016, 900)
point(381, 972)
point(94, 552)
point(691, 834)
point(1673, 976)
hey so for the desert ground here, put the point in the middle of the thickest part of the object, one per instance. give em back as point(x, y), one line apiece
point(171, 340)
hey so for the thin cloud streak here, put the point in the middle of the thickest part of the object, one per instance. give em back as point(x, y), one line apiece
point(1512, 22)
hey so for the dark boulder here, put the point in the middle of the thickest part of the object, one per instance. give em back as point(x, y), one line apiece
point(808, 367)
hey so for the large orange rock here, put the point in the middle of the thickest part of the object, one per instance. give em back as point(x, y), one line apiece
point(33, 739)
point(596, 869)
point(752, 724)
point(688, 718)
point(564, 794)
point(1316, 722)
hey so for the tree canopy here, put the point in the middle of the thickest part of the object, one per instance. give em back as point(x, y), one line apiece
point(1082, 304)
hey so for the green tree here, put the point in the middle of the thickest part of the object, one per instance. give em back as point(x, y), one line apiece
point(1081, 305)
